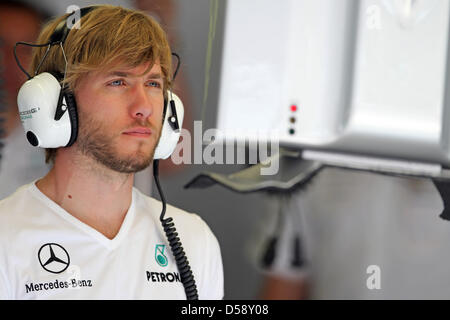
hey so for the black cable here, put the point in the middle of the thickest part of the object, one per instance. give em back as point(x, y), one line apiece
point(187, 278)
point(178, 65)
point(31, 45)
point(42, 60)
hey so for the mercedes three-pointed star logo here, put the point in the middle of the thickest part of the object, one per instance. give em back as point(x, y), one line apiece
point(53, 258)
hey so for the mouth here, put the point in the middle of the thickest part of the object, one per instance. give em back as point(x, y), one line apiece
point(139, 132)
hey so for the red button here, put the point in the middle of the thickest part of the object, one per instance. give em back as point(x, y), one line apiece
point(293, 108)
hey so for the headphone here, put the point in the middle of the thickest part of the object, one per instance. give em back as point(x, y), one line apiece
point(48, 110)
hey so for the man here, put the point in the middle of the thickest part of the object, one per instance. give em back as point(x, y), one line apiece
point(83, 231)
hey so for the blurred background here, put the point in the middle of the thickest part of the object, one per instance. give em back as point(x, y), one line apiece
point(388, 222)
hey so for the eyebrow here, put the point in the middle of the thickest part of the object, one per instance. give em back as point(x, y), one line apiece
point(154, 75)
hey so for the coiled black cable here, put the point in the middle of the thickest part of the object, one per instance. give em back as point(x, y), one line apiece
point(187, 278)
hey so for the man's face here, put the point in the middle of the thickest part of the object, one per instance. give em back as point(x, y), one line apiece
point(120, 117)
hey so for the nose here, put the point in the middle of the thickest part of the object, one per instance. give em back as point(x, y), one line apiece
point(141, 103)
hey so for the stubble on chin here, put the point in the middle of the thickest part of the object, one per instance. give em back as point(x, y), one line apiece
point(94, 143)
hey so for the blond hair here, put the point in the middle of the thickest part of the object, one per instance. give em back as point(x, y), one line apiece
point(109, 36)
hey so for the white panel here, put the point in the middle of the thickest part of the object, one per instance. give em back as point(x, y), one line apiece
point(317, 79)
point(399, 78)
point(252, 67)
point(367, 76)
point(278, 53)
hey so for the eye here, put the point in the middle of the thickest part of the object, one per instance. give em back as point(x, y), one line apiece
point(154, 84)
point(116, 83)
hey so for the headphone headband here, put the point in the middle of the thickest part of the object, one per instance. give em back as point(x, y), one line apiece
point(62, 31)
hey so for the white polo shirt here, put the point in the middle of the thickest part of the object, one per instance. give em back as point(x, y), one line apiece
point(46, 253)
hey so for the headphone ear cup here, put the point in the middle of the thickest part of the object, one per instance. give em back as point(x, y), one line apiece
point(38, 100)
point(73, 116)
point(169, 134)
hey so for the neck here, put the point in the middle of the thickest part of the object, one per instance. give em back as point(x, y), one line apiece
point(90, 192)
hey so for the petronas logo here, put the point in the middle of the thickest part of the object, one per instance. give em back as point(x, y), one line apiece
point(160, 257)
